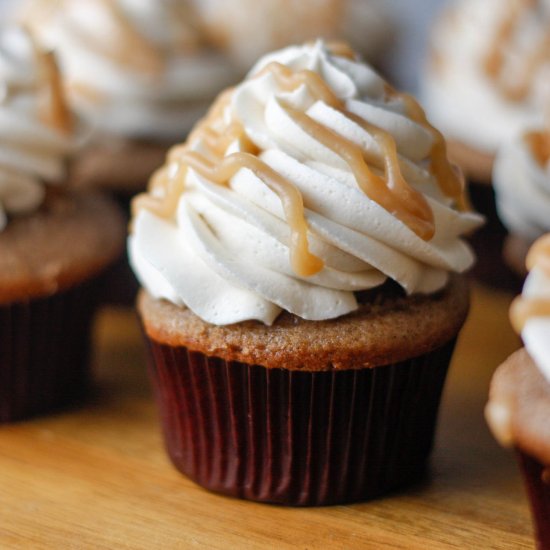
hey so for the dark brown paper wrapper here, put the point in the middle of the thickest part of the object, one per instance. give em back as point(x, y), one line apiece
point(539, 496)
point(293, 437)
point(44, 349)
point(490, 267)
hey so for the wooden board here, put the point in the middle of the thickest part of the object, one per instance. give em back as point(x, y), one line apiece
point(98, 477)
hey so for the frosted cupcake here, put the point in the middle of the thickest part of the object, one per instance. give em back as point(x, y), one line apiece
point(519, 399)
point(299, 258)
point(139, 71)
point(54, 244)
point(522, 187)
point(488, 76)
point(247, 29)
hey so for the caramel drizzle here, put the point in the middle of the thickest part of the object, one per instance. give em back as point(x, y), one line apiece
point(339, 48)
point(539, 144)
point(392, 191)
point(494, 62)
point(130, 47)
point(523, 308)
point(54, 110)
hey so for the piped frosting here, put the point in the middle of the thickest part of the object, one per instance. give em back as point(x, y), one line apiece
point(310, 180)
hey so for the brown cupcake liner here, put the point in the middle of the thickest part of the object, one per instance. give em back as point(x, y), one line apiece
point(44, 350)
point(294, 437)
point(537, 482)
point(121, 286)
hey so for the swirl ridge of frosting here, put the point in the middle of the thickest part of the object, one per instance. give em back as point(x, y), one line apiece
point(38, 132)
point(310, 180)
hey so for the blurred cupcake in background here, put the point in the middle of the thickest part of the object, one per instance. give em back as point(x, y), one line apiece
point(247, 29)
point(518, 410)
point(139, 70)
point(522, 186)
point(55, 244)
point(488, 77)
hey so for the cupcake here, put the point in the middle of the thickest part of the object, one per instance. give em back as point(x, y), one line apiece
point(54, 243)
point(140, 72)
point(299, 257)
point(247, 29)
point(519, 399)
point(488, 77)
point(522, 187)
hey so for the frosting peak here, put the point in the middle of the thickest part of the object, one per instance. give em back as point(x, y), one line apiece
point(311, 179)
point(38, 130)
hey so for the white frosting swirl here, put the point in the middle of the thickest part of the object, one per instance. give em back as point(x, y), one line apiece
point(536, 331)
point(522, 187)
point(135, 68)
point(225, 254)
point(460, 97)
point(32, 151)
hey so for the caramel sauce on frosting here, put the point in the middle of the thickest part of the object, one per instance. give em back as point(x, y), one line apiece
point(390, 190)
point(495, 61)
point(54, 108)
point(128, 46)
point(524, 308)
point(539, 144)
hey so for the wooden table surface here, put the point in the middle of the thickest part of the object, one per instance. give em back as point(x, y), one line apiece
point(98, 477)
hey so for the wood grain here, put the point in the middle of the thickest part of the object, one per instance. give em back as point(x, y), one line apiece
point(98, 477)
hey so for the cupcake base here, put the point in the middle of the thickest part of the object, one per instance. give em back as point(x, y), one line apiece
point(293, 437)
point(537, 480)
point(44, 350)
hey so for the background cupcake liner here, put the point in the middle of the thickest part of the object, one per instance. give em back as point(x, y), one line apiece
point(488, 243)
point(121, 286)
point(539, 496)
point(297, 438)
point(44, 349)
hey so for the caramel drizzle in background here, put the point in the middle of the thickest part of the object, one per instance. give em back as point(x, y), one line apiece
point(391, 191)
point(539, 144)
point(494, 62)
point(524, 308)
point(129, 47)
point(54, 110)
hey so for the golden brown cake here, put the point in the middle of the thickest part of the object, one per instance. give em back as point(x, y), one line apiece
point(71, 238)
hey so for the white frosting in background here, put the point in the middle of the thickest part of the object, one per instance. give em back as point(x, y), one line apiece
point(459, 97)
point(536, 332)
point(522, 188)
point(31, 151)
point(225, 254)
point(251, 28)
point(125, 99)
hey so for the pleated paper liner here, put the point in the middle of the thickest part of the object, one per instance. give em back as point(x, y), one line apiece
point(44, 351)
point(293, 437)
point(537, 482)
